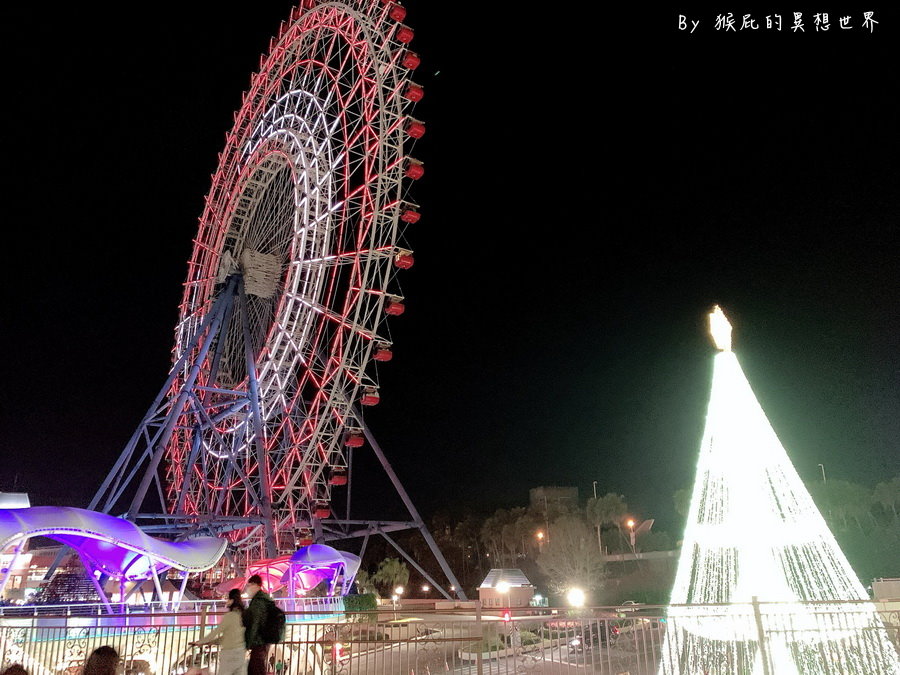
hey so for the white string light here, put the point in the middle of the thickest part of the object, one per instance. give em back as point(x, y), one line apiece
point(753, 531)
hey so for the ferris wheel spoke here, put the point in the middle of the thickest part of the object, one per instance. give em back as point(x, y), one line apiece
point(339, 319)
point(349, 258)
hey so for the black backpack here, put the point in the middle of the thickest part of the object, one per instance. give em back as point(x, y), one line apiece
point(272, 630)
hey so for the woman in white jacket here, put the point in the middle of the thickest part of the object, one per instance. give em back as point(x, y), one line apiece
point(229, 635)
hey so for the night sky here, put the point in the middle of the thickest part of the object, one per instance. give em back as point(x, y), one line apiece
point(596, 180)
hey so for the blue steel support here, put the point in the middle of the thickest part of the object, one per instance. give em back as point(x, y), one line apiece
point(125, 457)
point(262, 460)
point(228, 301)
point(175, 410)
point(410, 507)
point(417, 566)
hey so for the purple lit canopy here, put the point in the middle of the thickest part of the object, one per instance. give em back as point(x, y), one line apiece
point(114, 546)
point(323, 563)
point(302, 571)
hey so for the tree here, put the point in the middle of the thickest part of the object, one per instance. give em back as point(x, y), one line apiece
point(682, 499)
point(491, 535)
point(570, 559)
point(500, 536)
point(654, 541)
point(606, 510)
point(365, 583)
point(527, 525)
point(843, 504)
point(888, 495)
point(390, 574)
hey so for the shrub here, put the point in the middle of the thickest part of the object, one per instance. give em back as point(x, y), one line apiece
point(529, 638)
point(492, 645)
point(357, 605)
point(650, 596)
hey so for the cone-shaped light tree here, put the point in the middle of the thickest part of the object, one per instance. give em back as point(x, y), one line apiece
point(761, 579)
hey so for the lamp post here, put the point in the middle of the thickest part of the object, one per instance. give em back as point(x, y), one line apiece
point(599, 541)
point(398, 592)
point(822, 466)
point(630, 524)
point(547, 518)
point(540, 537)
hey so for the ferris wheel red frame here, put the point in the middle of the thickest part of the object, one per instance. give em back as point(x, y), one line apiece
point(311, 180)
point(290, 284)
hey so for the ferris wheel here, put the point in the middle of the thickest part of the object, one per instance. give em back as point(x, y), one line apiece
point(290, 286)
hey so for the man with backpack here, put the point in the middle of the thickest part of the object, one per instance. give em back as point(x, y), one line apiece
point(264, 623)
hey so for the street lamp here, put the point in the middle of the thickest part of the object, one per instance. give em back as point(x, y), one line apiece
point(540, 538)
point(630, 524)
point(502, 587)
point(822, 466)
point(398, 591)
point(575, 597)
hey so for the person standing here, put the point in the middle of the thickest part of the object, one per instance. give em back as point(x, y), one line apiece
point(255, 618)
point(102, 661)
point(229, 635)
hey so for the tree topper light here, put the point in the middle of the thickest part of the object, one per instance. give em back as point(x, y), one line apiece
point(720, 329)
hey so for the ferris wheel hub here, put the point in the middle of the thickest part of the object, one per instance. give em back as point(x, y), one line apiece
point(262, 273)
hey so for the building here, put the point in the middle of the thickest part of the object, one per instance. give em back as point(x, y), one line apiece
point(14, 500)
point(886, 589)
point(545, 497)
point(27, 570)
point(506, 589)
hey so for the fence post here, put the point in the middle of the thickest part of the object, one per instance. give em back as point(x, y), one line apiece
point(479, 665)
point(761, 635)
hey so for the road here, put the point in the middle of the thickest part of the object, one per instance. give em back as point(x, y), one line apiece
point(436, 656)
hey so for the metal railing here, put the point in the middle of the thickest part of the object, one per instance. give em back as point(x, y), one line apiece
point(635, 640)
point(325, 604)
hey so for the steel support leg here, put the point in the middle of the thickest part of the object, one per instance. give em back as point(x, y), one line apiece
point(416, 565)
point(262, 459)
point(175, 411)
point(413, 512)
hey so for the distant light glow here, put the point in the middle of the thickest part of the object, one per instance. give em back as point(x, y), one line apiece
point(576, 597)
point(753, 532)
point(502, 587)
